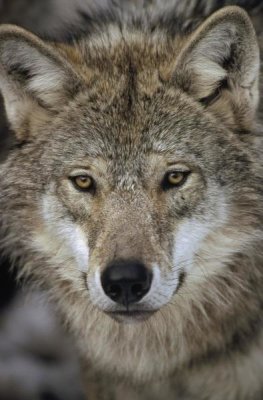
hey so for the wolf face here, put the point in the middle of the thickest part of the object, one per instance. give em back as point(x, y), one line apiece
point(131, 212)
point(133, 192)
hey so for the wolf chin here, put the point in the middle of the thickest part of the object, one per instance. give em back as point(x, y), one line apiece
point(133, 193)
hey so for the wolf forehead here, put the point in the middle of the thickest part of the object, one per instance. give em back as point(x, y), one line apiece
point(130, 125)
point(128, 101)
point(126, 84)
point(122, 57)
point(166, 125)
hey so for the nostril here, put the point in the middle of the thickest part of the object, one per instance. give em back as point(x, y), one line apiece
point(137, 289)
point(114, 291)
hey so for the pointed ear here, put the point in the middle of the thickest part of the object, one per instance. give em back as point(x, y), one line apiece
point(219, 66)
point(34, 77)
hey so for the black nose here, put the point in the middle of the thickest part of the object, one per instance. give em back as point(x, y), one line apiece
point(126, 281)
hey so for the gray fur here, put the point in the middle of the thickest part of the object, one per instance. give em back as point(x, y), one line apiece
point(124, 100)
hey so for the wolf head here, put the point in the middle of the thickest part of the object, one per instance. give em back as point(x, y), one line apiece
point(133, 186)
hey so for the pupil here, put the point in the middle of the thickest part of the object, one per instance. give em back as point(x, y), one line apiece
point(83, 180)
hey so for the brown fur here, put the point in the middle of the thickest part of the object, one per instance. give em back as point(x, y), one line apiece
point(125, 103)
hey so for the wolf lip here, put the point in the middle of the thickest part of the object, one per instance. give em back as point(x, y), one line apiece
point(131, 316)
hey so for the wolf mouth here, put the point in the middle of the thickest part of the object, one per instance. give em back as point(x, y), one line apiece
point(131, 316)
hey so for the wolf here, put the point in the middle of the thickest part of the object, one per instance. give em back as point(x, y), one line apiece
point(132, 192)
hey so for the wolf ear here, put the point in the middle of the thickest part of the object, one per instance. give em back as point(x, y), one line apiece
point(34, 77)
point(219, 66)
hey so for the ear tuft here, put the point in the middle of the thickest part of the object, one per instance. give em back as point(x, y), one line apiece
point(219, 66)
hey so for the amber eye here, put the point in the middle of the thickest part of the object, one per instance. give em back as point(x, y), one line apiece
point(83, 182)
point(174, 179)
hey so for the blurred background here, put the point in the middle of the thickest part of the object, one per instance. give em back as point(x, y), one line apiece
point(37, 358)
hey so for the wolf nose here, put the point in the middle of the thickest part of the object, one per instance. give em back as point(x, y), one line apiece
point(126, 281)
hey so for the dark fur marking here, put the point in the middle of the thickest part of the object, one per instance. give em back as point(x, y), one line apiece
point(209, 100)
point(182, 277)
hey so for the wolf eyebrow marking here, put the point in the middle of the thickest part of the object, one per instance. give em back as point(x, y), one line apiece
point(80, 166)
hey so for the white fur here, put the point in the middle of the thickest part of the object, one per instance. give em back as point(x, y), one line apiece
point(191, 235)
point(188, 240)
point(61, 238)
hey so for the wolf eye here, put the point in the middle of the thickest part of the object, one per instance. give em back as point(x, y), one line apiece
point(174, 179)
point(83, 182)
